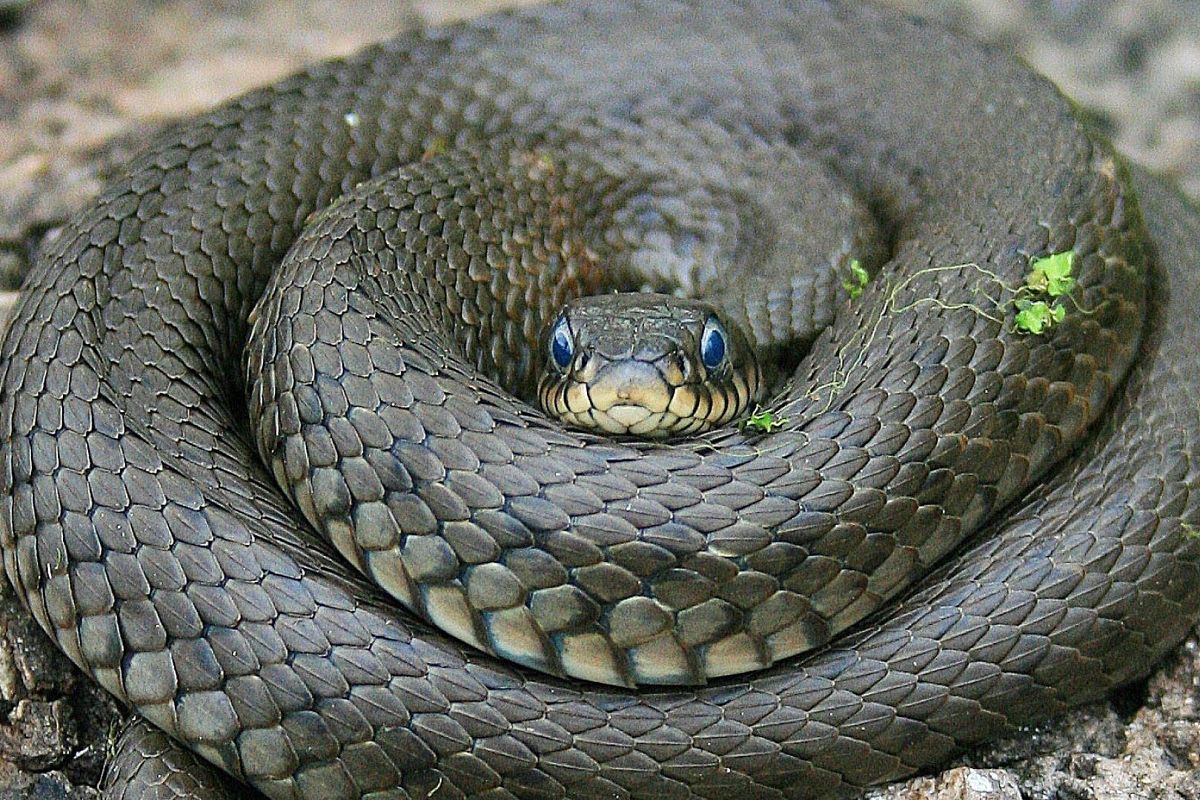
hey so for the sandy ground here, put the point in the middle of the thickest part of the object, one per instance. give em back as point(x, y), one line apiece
point(82, 83)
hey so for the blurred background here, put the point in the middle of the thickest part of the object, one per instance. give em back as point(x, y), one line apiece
point(80, 79)
point(83, 82)
point(73, 74)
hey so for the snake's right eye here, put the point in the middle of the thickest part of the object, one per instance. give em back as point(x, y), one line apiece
point(562, 347)
point(712, 344)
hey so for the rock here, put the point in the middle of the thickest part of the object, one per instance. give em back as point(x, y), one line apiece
point(46, 786)
point(37, 735)
point(37, 668)
point(963, 783)
point(54, 718)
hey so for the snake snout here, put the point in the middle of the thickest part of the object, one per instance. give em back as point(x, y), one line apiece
point(630, 383)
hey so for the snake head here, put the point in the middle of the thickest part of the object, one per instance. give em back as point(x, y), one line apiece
point(647, 365)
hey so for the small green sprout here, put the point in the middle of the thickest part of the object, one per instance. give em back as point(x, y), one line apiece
point(1049, 277)
point(764, 420)
point(1052, 274)
point(1190, 530)
point(1038, 316)
point(857, 281)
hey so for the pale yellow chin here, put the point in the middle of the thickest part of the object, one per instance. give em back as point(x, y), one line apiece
point(652, 411)
point(629, 416)
point(635, 420)
point(627, 419)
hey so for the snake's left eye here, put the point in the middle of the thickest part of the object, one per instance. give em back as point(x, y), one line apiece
point(562, 347)
point(712, 344)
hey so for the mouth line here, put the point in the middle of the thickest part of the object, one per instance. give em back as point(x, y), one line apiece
point(627, 414)
point(628, 407)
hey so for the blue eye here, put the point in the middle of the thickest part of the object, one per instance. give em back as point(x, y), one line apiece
point(561, 345)
point(712, 344)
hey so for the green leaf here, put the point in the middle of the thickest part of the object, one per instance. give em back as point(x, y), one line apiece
point(764, 420)
point(1038, 316)
point(857, 281)
point(1190, 530)
point(1052, 274)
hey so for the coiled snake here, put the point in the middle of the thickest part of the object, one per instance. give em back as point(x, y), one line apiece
point(525, 158)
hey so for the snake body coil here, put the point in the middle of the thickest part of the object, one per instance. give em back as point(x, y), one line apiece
point(417, 213)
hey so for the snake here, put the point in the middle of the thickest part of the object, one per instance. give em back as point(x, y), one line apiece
point(296, 345)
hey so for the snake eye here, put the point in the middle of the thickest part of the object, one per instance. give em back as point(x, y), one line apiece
point(562, 347)
point(712, 344)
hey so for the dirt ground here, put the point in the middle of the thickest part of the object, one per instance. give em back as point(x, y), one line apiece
point(83, 83)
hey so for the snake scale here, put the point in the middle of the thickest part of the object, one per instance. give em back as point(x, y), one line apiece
point(453, 169)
